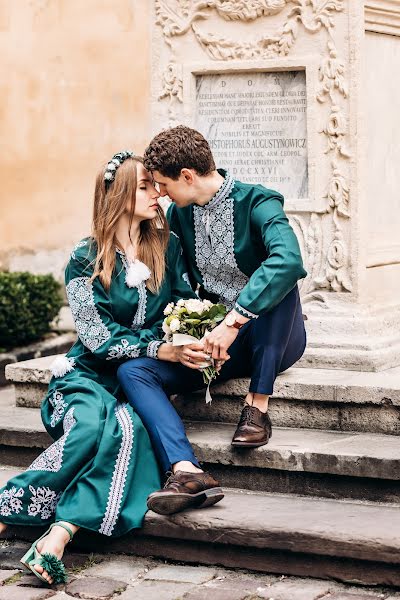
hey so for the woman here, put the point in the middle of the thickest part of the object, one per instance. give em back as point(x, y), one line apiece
point(101, 467)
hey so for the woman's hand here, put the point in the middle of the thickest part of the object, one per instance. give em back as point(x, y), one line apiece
point(191, 355)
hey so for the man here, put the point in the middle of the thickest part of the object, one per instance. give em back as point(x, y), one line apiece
point(242, 252)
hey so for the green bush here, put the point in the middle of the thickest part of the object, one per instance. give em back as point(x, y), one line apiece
point(28, 304)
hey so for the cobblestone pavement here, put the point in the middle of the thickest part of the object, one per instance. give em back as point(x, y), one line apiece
point(112, 576)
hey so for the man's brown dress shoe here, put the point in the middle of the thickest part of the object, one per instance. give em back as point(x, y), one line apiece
point(254, 428)
point(185, 490)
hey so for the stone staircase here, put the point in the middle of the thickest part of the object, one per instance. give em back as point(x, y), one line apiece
point(321, 499)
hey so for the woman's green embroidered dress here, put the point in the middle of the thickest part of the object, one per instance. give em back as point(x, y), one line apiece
point(101, 467)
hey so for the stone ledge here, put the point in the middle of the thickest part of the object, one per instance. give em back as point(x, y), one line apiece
point(44, 348)
point(357, 455)
point(355, 541)
point(324, 385)
point(382, 16)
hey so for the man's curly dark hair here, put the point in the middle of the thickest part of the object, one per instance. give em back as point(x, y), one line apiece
point(177, 148)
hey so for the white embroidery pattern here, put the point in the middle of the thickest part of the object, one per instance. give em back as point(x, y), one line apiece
point(173, 233)
point(51, 459)
point(152, 348)
point(89, 326)
point(186, 279)
point(245, 312)
point(123, 349)
point(214, 247)
point(43, 502)
point(10, 501)
point(120, 470)
point(140, 316)
point(80, 244)
point(57, 402)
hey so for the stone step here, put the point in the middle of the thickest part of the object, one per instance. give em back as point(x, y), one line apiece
point(310, 398)
point(275, 533)
point(301, 461)
point(303, 398)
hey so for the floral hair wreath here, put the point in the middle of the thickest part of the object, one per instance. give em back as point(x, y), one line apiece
point(115, 162)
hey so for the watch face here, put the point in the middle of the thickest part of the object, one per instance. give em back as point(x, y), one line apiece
point(230, 319)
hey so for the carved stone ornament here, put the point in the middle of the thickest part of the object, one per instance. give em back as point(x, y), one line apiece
point(336, 277)
point(327, 260)
point(172, 89)
point(176, 17)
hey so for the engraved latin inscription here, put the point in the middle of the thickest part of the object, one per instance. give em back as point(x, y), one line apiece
point(256, 126)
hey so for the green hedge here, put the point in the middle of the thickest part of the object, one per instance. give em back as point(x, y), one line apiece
point(28, 304)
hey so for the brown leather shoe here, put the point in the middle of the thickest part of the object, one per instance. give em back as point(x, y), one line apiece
point(254, 428)
point(185, 490)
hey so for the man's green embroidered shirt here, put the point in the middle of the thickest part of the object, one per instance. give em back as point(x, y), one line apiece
point(240, 247)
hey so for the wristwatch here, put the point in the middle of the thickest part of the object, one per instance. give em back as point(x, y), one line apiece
point(230, 321)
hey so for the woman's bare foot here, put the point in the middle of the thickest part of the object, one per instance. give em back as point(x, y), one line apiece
point(3, 527)
point(54, 543)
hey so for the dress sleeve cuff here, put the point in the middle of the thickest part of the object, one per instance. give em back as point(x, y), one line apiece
point(244, 312)
point(152, 348)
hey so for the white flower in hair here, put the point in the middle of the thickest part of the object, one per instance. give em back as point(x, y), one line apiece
point(108, 175)
point(137, 273)
point(111, 166)
point(116, 162)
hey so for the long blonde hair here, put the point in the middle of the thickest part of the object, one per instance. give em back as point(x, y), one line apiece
point(110, 202)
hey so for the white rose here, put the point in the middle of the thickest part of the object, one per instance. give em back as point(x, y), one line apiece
point(194, 305)
point(207, 303)
point(168, 308)
point(166, 328)
point(181, 302)
point(175, 325)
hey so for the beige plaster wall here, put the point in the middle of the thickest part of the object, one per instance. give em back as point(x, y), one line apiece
point(382, 65)
point(74, 90)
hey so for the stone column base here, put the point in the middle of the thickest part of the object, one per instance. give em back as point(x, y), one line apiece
point(345, 335)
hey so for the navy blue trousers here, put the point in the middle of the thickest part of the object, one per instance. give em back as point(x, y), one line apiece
point(263, 348)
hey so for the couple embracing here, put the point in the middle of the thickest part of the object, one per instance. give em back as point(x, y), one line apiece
point(116, 434)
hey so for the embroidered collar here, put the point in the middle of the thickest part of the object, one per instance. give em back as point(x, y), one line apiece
point(224, 191)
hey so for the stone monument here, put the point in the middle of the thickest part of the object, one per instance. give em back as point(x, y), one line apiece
point(300, 95)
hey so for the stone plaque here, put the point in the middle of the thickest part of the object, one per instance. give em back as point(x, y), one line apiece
point(256, 126)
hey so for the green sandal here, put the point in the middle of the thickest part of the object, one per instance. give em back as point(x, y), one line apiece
point(50, 563)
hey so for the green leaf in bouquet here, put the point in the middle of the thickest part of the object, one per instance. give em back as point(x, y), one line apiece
point(218, 309)
point(194, 315)
point(205, 321)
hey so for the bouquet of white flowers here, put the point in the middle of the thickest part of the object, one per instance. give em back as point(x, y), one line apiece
point(188, 321)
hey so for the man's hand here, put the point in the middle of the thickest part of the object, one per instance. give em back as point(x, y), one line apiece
point(219, 340)
point(191, 355)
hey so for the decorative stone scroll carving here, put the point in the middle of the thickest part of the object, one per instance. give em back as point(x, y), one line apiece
point(176, 17)
point(172, 89)
point(336, 274)
point(309, 232)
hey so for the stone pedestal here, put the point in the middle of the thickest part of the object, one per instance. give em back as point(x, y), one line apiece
point(299, 95)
